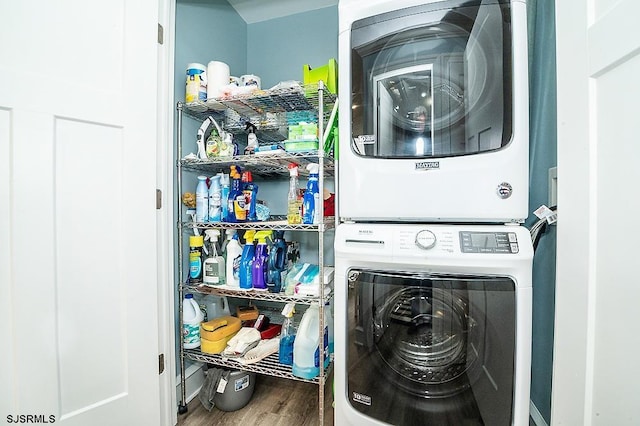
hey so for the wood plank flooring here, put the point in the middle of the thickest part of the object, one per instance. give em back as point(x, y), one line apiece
point(275, 402)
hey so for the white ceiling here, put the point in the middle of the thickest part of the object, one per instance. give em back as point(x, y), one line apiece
point(262, 10)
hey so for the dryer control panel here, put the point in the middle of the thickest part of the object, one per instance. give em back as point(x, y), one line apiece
point(488, 242)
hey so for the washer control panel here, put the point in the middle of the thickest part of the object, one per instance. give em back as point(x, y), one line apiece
point(425, 239)
point(488, 242)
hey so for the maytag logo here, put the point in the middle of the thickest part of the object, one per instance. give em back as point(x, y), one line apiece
point(365, 139)
point(427, 165)
point(362, 399)
point(365, 231)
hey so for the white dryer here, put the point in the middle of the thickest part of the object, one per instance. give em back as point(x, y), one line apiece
point(434, 122)
point(432, 324)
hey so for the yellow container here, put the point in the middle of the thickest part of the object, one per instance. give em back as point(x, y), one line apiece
point(215, 334)
point(327, 73)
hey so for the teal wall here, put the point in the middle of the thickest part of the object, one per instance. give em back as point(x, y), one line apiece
point(278, 48)
point(542, 78)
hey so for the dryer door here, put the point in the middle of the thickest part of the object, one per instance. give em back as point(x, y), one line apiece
point(431, 350)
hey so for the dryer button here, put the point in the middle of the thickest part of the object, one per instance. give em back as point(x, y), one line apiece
point(425, 239)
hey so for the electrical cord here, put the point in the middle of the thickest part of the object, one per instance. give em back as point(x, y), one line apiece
point(539, 228)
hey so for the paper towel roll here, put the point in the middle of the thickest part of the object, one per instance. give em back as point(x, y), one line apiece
point(217, 76)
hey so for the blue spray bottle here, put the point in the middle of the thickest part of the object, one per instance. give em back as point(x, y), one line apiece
point(246, 261)
point(277, 262)
point(250, 191)
point(224, 196)
point(259, 265)
point(311, 201)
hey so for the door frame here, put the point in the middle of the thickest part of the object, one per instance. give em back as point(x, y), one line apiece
point(165, 217)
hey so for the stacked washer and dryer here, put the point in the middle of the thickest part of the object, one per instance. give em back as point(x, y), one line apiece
point(433, 266)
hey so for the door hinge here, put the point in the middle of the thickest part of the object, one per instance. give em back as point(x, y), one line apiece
point(158, 199)
point(160, 34)
point(160, 363)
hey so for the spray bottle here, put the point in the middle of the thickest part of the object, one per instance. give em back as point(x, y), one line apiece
point(246, 260)
point(287, 335)
point(276, 264)
point(213, 266)
point(236, 203)
point(202, 200)
point(294, 205)
point(259, 265)
point(311, 199)
point(234, 253)
point(252, 139)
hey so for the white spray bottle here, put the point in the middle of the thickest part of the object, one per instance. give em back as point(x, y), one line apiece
point(213, 266)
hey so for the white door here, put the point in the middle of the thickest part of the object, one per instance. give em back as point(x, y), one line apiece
point(78, 266)
point(596, 378)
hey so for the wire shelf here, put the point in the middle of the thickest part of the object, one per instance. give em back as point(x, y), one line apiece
point(223, 290)
point(278, 223)
point(269, 366)
point(262, 165)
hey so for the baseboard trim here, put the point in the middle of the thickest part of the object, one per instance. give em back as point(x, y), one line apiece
point(194, 379)
point(537, 418)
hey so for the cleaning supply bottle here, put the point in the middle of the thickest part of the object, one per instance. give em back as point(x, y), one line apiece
point(248, 252)
point(287, 335)
point(192, 316)
point(252, 139)
point(195, 258)
point(276, 265)
point(237, 213)
point(294, 205)
point(250, 191)
point(259, 265)
point(234, 253)
point(213, 267)
point(202, 200)
point(215, 199)
point(306, 350)
point(311, 200)
point(224, 196)
point(328, 320)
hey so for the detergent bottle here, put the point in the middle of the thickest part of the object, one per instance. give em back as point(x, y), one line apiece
point(287, 335)
point(306, 347)
point(192, 316)
point(246, 260)
point(195, 258)
point(276, 265)
point(311, 201)
point(215, 199)
point(213, 266)
point(259, 265)
point(294, 204)
point(234, 253)
point(250, 191)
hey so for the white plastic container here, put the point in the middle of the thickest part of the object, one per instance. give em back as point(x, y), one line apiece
point(217, 306)
point(192, 316)
point(202, 200)
point(233, 255)
point(306, 352)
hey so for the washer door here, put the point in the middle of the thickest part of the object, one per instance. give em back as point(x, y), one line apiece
point(426, 349)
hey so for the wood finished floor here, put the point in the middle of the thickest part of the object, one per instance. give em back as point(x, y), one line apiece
point(275, 402)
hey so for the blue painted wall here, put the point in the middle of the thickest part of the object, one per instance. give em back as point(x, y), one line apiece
point(543, 149)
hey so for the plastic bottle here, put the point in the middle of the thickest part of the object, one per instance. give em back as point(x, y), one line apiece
point(259, 264)
point(195, 258)
point(192, 316)
point(224, 196)
point(213, 266)
point(294, 205)
point(328, 319)
point(248, 251)
point(236, 203)
point(215, 199)
point(250, 191)
point(252, 139)
point(234, 253)
point(276, 265)
point(287, 336)
point(202, 200)
point(311, 200)
point(306, 351)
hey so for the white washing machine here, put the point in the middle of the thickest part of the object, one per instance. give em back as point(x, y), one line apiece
point(432, 324)
point(434, 122)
